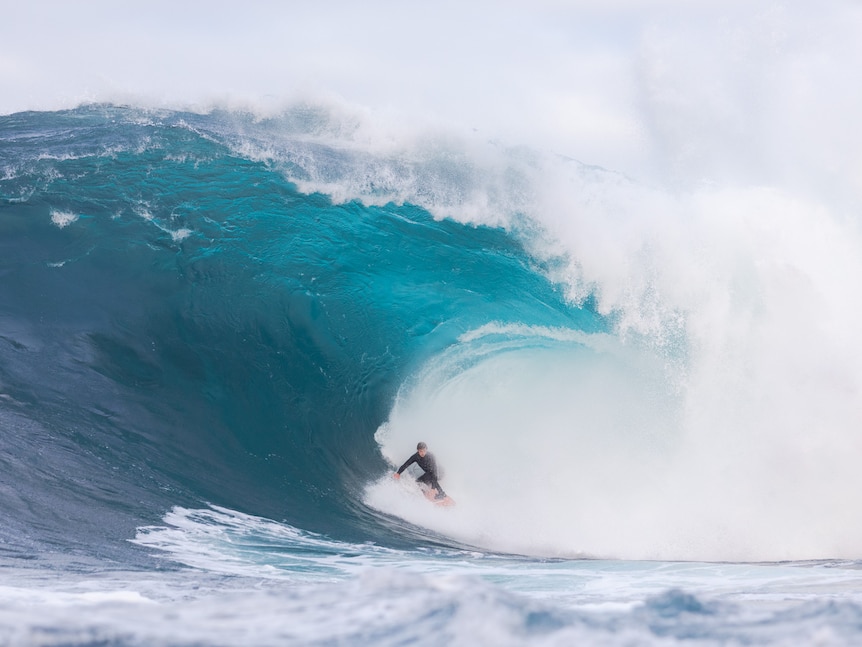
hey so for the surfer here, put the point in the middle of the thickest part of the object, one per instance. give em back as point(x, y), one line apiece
point(424, 459)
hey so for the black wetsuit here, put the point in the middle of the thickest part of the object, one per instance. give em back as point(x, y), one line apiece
point(429, 466)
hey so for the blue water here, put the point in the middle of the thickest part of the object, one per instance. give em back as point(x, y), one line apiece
point(203, 366)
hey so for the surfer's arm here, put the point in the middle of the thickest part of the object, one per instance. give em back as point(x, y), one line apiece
point(409, 462)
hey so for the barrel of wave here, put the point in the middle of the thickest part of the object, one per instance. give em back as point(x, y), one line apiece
point(549, 439)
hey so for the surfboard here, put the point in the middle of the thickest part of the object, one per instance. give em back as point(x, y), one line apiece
point(445, 501)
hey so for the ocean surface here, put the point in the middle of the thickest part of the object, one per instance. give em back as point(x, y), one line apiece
point(220, 333)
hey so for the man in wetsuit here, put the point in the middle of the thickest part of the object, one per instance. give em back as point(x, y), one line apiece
point(424, 459)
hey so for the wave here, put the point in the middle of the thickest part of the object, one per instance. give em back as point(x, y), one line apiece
point(265, 313)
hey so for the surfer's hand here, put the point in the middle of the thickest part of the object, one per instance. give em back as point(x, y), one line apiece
point(396, 475)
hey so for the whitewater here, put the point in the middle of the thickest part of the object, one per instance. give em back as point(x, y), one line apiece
point(604, 259)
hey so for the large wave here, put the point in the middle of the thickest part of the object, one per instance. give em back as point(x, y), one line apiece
point(604, 368)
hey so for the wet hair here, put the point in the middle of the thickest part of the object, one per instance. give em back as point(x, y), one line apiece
point(421, 446)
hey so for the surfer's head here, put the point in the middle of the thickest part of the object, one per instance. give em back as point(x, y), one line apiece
point(422, 448)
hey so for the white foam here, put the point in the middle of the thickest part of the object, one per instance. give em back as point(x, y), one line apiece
point(180, 234)
point(576, 603)
point(63, 218)
point(249, 580)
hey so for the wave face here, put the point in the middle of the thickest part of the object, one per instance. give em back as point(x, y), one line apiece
point(181, 324)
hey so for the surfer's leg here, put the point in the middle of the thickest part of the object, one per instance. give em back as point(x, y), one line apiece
point(429, 480)
point(425, 485)
point(436, 485)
